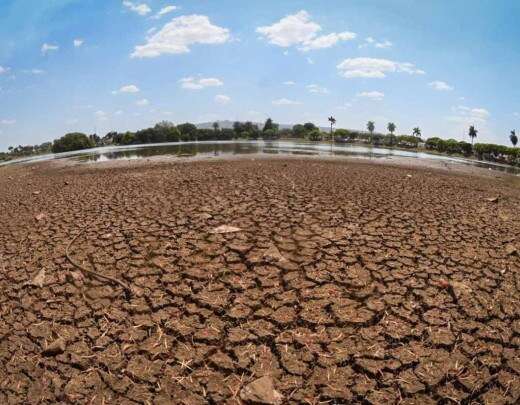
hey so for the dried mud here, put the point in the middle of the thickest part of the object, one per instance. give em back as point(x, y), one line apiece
point(346, 282)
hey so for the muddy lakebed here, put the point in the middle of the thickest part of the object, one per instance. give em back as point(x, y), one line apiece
point(293, 280)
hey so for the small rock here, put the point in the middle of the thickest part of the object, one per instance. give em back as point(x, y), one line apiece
point(273, 255)
point(511, 250)
point(409, 176)
point(37, 192)
point(40, 217)
point(492, 199)
point(225, 229)
point(56, 347)
point(38, 280)
point(261, 391)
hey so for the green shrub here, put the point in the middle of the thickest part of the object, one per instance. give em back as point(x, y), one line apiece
point(72, 141)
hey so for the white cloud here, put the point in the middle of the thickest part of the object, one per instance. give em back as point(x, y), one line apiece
point(372, 68)
point(78, 42)
point(222, 99)
point(46, 48)
point(72, 121)
point(3, 70)
point(164, 11)
point(516, 114)
point(141, 9)
point(177, 36)
point(143, 102)
point(129, 88)
point(372, 95)
point(299, 30)
point(327, 41)
point(191, 83)
point(384, 45)
point(310, 61)
point(315, 88)
point(345, 106)
point(469, 116)
point(101, 115)
point(440, 86)
point(118, 112)
point(289, 83)
point(7, 122)
point(34, 71)
point(369, 41)
point(285, 101)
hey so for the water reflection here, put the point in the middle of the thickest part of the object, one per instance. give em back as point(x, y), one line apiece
point(231, 148)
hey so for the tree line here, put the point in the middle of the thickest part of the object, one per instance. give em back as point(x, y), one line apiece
point(166, 131)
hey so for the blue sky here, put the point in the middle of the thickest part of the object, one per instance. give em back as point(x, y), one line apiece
point(101, 65)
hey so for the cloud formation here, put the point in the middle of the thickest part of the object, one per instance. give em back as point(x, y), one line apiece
point(285, 101)
point(222, 99)
point(468, 115)
point(372, 68)
point(179, 34)
point(372, 95)
point(317, 89)
point(299, 30)
point(78, 42)
point(129, 88)
point(440, 86)
point(46, 48)
point(369, 41)
point(141, 9)
point(192, 83)
point(165, 10)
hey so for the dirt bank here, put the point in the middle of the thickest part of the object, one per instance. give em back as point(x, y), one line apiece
point(343, 281)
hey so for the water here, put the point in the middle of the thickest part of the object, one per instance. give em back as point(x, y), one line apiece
point(233, 148)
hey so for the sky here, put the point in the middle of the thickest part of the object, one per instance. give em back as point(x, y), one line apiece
point(102, 65)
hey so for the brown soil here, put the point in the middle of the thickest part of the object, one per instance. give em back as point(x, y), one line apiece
point(345, 282)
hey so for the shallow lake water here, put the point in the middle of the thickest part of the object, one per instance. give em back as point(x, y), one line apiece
point(233, 148)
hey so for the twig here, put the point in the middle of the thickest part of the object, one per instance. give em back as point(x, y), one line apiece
point(87, 271)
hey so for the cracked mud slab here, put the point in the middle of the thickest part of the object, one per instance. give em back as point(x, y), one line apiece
point(341, 282)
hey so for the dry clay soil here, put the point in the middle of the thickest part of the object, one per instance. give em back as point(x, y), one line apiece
point(345, 282)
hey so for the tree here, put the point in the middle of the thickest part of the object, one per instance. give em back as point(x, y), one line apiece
point(371, 126)
point(188, 131)
point(332, 121)
point(391, 127)
point(309, 126)
point(472, 132)
point(299, 131)
point(72, 141)
point(513, 138)
point(270, 125)
point(216, 126)
point(315, 135)
point(417, 132)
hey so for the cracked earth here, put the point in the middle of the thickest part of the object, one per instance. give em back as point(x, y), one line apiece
point(344, 282)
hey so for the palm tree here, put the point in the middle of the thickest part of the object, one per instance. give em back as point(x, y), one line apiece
point(513, 137)
point(391, 127)
point(417, 132)
point(472, 133)
point(216, 126)
point(371, 126)
point(332, 121)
